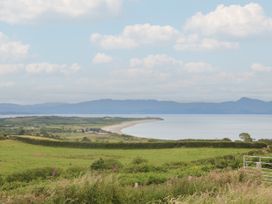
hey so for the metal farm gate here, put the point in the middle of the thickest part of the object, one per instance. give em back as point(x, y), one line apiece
point(262, 165)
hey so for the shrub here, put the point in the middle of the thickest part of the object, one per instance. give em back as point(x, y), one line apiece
point(147, 145)
point(194, 171)
point(3, 137)
point(106, 164)
point(156, 179)
point(138, 160)
point(73, 172)
point(226, 139)
point(176, 165)
point(32, 174)
point(85, 139)
point(1, 180)
point(143, 168)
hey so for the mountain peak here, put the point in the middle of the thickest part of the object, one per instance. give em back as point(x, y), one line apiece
point(246, 99)
point(249, 100)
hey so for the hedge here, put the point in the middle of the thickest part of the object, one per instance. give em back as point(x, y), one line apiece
point(149, 145)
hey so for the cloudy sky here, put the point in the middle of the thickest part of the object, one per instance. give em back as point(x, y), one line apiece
point(77, 50)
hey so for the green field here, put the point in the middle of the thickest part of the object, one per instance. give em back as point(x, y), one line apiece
point(17, 156)
point(73, 160)
point(67, 128)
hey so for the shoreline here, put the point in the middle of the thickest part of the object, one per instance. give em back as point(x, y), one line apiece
point(117, 128)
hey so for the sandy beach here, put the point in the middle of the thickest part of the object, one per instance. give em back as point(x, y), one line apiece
point(119, 127)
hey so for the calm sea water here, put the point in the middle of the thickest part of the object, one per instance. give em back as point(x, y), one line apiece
point(197, 126)
point(204, 127)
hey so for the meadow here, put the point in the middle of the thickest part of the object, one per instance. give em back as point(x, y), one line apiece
point(16, 156)
point(58, 160)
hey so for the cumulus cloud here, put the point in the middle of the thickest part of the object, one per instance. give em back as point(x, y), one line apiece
point(198, 67)
point(8, 69)
point(46, 68)
point(18, 11)
point(163, 67)
point(101, 58)
point(38, 68)
point(195, 43)
point(11, 49)
point(161, 74)
point(202, 32)
point(6, 84)
point(135, 35)
point(233, 20)
point(258, 68)
point(155, 60)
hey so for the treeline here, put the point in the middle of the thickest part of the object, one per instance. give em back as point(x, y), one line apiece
point(148, 145)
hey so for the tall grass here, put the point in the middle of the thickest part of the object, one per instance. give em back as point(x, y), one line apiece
point(101, 189)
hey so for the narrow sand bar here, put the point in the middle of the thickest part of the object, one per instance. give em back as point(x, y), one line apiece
point(119, 127)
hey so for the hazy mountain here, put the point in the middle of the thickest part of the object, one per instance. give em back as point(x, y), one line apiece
point(108, 106)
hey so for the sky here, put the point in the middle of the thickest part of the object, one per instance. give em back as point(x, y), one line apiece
point(80, 50)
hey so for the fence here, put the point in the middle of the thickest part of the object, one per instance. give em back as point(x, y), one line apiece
point(261, 165)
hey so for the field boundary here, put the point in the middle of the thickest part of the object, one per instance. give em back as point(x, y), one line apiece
point(259, 164)
point(150, 145)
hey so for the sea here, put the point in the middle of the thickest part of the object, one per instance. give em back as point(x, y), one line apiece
point(176, 127)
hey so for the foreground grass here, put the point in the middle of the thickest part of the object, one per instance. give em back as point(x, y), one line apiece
point(235, 187)
point(17, 156)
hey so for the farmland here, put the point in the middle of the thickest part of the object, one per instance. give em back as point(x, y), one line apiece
point(73, 160)
point(16, 156)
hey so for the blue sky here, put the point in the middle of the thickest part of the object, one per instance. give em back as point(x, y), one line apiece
point(77, 50)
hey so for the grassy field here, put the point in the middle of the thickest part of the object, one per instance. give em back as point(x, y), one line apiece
point(16, 156)
point(67, 128)
point(32, 173)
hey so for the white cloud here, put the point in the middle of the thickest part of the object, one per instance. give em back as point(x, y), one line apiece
point(198, 67)
point(6, 84)
point(38, 68)
point(155, 60)
point(47, 68)
point(163, 67)
point(113, 42)
point(8, 69)
point(152, 67)
point(18, 11)
point(234, 20)
point(135, 35)
point(101, 58)
point(11, 49)
point(260, 68)
point(195, 43)
point(147, 33)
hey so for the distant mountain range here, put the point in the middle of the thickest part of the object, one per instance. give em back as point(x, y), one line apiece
point(108, 106)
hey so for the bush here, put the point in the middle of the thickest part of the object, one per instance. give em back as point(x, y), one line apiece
point(106, 164)
point(194, 171)
point(12, 185)
point(32, 174)
point(138, 160)
point(144, 168)
point(156, 179)
point(85, 139)
point(3, 137)
point(176, 165)
point(1, 180)
point(73, 172)
point(147, 145)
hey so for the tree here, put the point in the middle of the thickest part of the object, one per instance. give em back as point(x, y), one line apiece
point(21, 131)
point(245, 137)
point(226, 139)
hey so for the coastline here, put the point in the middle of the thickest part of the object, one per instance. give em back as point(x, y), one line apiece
point(117, 128)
